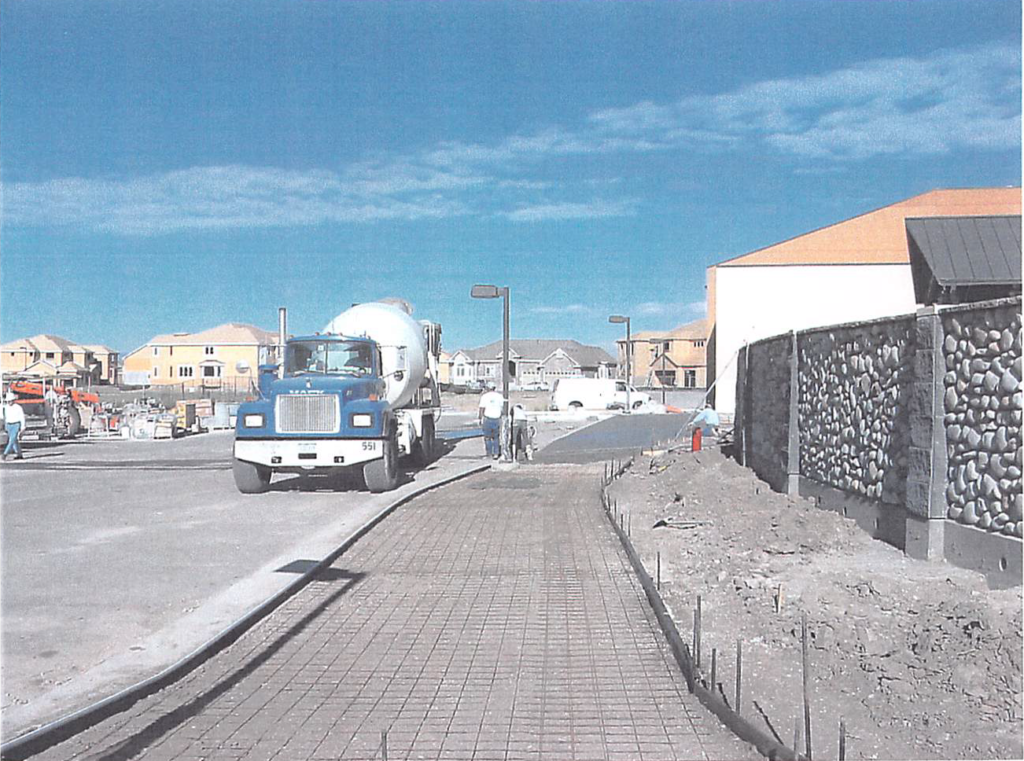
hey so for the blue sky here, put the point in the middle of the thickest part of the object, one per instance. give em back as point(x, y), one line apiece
point(170, 166)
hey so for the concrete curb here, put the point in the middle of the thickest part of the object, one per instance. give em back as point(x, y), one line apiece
point(54, 732)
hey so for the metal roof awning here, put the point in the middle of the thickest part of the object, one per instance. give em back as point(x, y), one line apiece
point(949, 254)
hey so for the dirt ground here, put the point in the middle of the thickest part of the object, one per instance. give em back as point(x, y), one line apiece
point(921, 660)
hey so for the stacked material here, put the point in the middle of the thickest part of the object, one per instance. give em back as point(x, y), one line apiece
point(982, 404)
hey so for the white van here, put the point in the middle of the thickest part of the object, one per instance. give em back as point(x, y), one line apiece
point(594, 394)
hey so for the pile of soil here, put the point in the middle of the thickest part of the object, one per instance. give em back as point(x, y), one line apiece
point(921, 660)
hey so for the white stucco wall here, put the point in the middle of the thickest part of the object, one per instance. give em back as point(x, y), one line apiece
point(762, 301)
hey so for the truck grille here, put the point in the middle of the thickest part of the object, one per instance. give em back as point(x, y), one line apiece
point(301, 413)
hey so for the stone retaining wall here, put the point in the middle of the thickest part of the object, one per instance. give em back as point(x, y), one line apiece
point(982, 405)
point(766, 406)
point(918, 415)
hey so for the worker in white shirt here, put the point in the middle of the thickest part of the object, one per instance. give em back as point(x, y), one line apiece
point(14, 423)
point(489, 414)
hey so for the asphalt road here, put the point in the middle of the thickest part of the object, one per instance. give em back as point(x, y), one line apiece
point(120, 557)
point(614, 437)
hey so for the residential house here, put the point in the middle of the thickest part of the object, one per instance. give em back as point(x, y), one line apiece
point(225, 356)
point(534, 360)
point(857, 269)
point(107, 359)
point(53, 358)
point(444, 368)
point(668, 359)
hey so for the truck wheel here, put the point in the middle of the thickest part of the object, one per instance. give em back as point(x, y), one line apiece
point(382, 475)
point(249, 478)
point(427, 445)
point(576, 405)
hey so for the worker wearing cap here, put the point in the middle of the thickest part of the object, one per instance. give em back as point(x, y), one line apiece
point(14, 422)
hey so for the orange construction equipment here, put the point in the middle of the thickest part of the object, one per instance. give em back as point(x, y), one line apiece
point(696, 440)
point(30, 392)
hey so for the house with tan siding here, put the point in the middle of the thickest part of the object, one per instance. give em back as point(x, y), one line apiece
point(675, 358)
point(226, 356)
point(47, 356)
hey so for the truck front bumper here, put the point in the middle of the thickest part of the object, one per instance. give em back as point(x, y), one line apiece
point(307, 454)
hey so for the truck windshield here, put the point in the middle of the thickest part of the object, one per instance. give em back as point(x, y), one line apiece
point(337, 357)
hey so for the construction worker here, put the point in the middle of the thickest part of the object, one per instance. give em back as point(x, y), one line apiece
point(709, 418)
point(14, 422)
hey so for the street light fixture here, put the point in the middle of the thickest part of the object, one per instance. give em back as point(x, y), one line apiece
point(618, 319)
point(493, 292)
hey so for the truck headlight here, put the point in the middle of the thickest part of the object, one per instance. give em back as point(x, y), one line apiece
point(253, 421)
point(362, 420)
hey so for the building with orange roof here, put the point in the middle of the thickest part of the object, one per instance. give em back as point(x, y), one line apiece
point(675, 358)
point(227, 355)
point(857, 269)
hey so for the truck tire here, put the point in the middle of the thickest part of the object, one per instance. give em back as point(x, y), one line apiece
point(249, 478)
point(426, 447)
point(382, 475)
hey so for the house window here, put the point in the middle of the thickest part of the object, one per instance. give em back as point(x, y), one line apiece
point(49, 355)
point(211, 371)
point(156, 351)
point(690, 378)
point(208, 351)
point(156, 372)
point(699, 343)
point(186, 371)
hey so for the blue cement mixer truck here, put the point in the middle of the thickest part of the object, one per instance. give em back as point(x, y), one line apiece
point(360, 395)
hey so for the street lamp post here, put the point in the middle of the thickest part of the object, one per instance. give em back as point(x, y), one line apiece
point(493, 292)
point(618, 319)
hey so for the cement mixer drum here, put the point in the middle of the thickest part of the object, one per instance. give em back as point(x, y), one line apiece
point(402, 344)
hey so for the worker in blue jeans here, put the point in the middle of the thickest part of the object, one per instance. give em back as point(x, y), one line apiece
point(489, 413)
point(14, 421)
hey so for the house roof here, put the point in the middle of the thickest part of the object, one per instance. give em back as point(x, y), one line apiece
point(42, 343)
point(229, 333)
point(538, 349)
point(963, 251)
point(691, 330)
point(45, 342)
point(879, 237)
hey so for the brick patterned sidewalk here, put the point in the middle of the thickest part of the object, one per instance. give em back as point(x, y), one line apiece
point(496, 618)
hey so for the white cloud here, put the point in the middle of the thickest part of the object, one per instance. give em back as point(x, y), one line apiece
point(660, 308)
point(964, 98)
point(236, 197)
point(559, 211)
point(931, 105)
point(567, 309)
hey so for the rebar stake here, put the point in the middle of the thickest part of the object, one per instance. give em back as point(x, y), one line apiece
point(842, 739)
point(659, 571)
point(806, 681)
point(739, 673)
point(697, 631)
point(714, 669)
point(384, 745)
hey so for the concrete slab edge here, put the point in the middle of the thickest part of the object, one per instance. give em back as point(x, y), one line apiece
point(59, 730)
point(708, 695)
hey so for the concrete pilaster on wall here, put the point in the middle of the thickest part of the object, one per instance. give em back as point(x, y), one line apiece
point(793, 443)
point(926, 470)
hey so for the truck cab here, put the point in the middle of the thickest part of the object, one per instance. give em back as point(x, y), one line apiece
point(325, 409)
